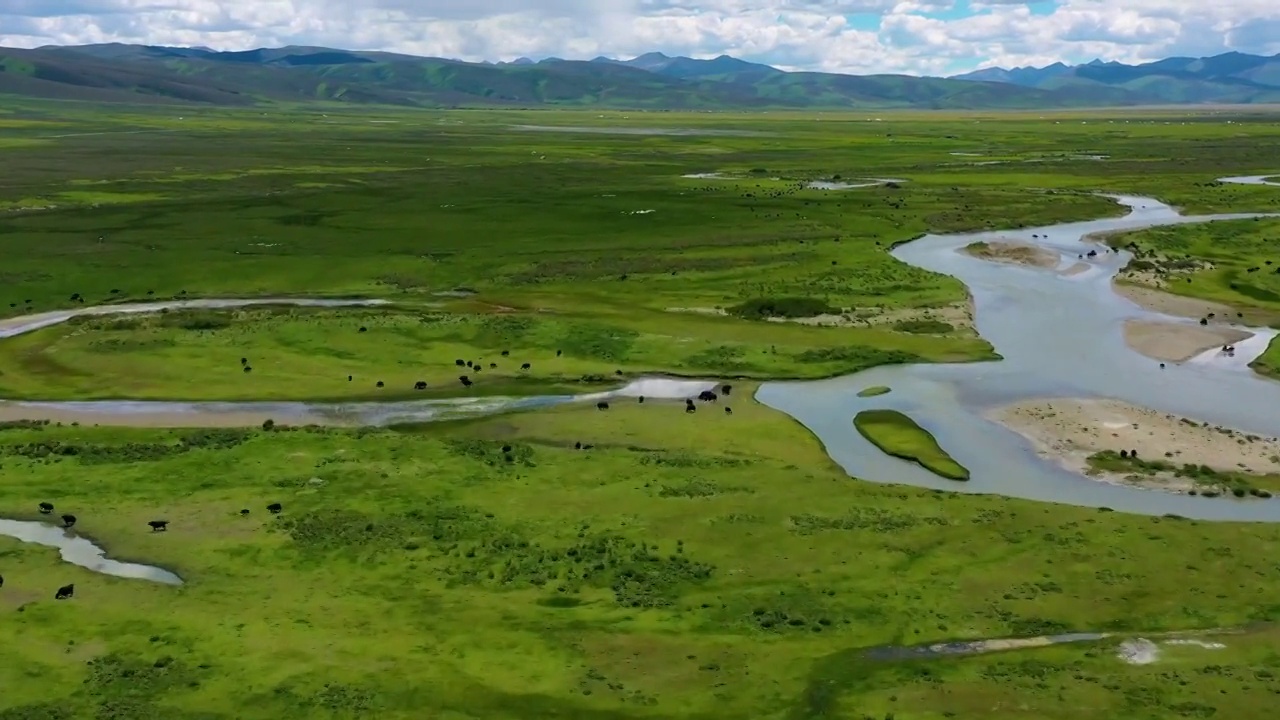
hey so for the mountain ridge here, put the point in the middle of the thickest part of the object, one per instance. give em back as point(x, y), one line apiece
point(163, 74)
point(1228, 77)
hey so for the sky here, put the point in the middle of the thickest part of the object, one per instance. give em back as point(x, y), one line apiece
point(921, 37)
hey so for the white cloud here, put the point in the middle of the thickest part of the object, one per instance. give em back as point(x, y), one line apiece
point(832, 35)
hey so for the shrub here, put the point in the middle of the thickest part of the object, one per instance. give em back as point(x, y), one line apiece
point(782, 307)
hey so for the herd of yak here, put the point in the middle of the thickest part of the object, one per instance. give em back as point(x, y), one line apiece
point(67, 592)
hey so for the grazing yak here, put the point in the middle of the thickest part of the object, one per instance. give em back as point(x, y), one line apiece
point(506, 353)
point(420, 385)
point(244, 361)
point(65, 592)
point(159, 525)
point(68, 520)
point(381, 384)
point(707, 396)
point(248, 369)
point(728, 410)
point(526, 366)
point(726, 389)
point(364, 329)
point(602, 406)
point(275, 508)
point(244, 512)
point(460, 363)
point(46, 508)
point(641, 399)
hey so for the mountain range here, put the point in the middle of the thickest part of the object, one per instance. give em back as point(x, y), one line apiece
point(145, 73)
point(1228, 78)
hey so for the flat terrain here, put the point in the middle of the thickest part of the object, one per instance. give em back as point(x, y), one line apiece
point(705, 565)
point(900, 436)
point(1169, 452)
point(622, 564)
point(1229, 271)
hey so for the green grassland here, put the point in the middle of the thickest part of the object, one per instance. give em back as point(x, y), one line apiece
point(585, 229)
point(1208, 481)
point(900, 436)
point(705, 565)
point(300, 354)
point(1235, 263)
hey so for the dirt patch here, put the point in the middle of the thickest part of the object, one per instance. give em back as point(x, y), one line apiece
point(1148, 296)
point(1177, 342)
point(1015, 252)
point(1068, 431)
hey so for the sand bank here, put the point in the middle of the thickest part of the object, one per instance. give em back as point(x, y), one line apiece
point(1068, 431)
point(1178, 342)
point(1014, 252)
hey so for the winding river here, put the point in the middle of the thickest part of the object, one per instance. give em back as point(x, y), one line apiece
point(1060, 336)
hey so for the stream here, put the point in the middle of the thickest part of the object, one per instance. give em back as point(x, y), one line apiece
point(81, 551)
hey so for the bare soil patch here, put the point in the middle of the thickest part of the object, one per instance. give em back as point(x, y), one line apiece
point(1015, 252)
point(1069, 431)
point(1177, 342)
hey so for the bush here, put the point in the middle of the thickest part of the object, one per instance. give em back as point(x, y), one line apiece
point(783, 307)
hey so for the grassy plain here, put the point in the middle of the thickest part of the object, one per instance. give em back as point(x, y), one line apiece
point(705, 565)
point(1235, 263)
point(900, 436)
point(596, 230)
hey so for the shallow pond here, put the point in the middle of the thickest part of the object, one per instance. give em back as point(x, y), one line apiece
point(80, 551)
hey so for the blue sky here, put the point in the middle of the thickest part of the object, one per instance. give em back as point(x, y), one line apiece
point(935, 37)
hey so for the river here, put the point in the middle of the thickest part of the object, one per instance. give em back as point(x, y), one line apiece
point(1060, 336)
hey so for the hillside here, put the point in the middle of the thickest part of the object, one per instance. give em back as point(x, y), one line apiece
point(1227, 78)
point(141, 73)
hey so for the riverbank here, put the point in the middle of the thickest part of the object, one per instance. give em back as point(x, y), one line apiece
point(1071, 431)
point(1172, 341)
point(1176, 342)
point(1014, 252)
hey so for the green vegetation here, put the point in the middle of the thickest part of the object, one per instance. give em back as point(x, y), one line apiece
point(787, 307)
point(678, 565)
point(900, 436)
point(1233, 263)
point(874, 391)
point(519, 584)
point(1208, 481)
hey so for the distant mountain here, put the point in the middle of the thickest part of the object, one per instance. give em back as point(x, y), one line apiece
point(299, 74)
point(1228, 78)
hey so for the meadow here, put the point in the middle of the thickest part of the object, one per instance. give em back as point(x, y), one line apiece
point(639, 562)
point(706, 565)
point(900, 436)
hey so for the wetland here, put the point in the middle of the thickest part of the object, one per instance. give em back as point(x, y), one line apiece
point(632, 511)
